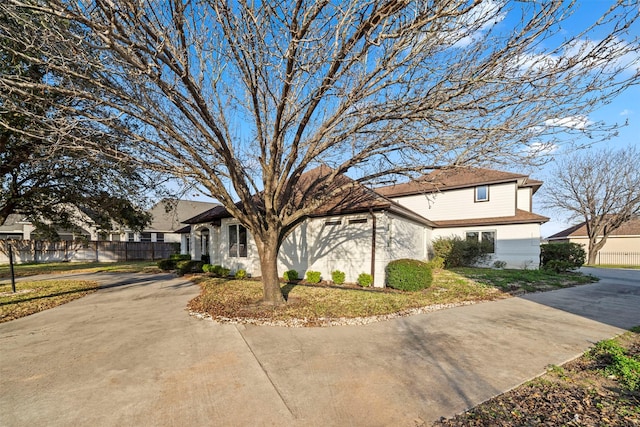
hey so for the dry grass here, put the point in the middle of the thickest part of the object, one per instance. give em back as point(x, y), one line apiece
point(309, 305)
point(33, 297)
point(26, 270)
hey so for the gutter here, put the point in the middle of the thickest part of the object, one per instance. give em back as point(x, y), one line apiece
point(373, 247)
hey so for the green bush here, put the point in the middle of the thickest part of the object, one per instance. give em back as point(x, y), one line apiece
point(408, 275)
point(290, 275)
point(313, 277)
point(561, 257)
point(240, 274)
point(180, 257)
point(365, 280)
point(338, 277)
point(436, 263)
point(184, 267)
point(167, 264)
point(618, 363)
point(458, 252)
point(207, 268)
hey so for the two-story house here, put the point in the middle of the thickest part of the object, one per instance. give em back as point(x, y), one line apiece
point(363, 233)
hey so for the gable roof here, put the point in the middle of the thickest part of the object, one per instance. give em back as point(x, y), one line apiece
point(629, 228)
point(170, 214)
point(456, 178)
point(355, 198)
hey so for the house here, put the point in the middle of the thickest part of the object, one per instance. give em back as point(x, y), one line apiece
point(622, 246)
point(363, 231)
point(167, 221)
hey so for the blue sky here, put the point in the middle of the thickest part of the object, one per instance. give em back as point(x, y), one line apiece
point(626, 107)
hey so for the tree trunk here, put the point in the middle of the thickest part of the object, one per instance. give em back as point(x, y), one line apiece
point(268, 251)
point(594, 248)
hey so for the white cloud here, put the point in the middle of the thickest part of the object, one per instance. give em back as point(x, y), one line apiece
point(542, 148)
point(489, 13)
point(626, 112)
point(573, 122)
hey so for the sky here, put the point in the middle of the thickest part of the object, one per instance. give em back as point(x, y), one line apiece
point(623, 109)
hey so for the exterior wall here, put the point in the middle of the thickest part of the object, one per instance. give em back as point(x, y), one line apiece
point(518, 245)
point(250, 263)
point(524, 199)
point(461, 204)
point(613, 243)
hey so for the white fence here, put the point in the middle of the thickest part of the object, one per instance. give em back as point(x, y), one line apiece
point(99, 251)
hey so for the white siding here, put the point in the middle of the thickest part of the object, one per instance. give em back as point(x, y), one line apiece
point(461, 204)
point(524, 199)
point(518, 245)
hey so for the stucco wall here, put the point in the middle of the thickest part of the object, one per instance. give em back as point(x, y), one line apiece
point(461, 204)
point(518, 245)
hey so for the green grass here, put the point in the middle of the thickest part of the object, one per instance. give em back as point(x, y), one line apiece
point(26, 270)
point(310, 305)
point(33, 297)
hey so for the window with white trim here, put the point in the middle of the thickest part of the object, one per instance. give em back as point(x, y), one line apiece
point(237, 241)
point(482, 193)
point(486, 238)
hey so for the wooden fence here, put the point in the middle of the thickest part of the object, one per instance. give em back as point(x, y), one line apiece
point(98, 251)
point(618, 258)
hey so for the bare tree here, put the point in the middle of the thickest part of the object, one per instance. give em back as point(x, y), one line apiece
point(244, 97)
point(600, 187)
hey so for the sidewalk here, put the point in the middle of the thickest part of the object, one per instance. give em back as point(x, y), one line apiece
point(131, 355)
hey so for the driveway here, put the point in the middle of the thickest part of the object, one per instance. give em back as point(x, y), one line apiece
point(131, 355)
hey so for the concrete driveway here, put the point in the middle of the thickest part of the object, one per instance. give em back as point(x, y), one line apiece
point(131, 355)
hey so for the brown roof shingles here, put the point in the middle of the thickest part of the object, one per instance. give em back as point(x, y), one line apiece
point(448, 179)
point(629, 228)
point(521, 217)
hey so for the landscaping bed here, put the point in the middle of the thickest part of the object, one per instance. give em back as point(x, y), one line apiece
point(327, 304)
point(597, 389)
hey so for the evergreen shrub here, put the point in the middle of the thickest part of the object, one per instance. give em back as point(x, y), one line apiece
point(408, 275)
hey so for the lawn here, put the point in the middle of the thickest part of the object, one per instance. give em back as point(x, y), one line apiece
point(36, 296)
point(25, 270)
point(327, 304)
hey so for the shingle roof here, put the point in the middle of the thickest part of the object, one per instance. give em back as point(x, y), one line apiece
point(521, 217)
point(170, 214)
point(455, 178)
point(629, 228)
point(355, 198)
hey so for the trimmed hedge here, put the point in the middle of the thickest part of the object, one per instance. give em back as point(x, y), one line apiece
point(290, 275)
point(167, 264)
point(313, 277)
point(338, 277)
point(365, 280)
point(184, 267)
point(409, 275)
point(180, 257)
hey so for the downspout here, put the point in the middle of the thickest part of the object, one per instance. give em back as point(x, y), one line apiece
point(373, 247)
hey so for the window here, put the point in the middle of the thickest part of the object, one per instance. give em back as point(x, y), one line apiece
point(131, 237)
point(358, 221)
point(237, 241)
point(333, 222)
point(159, 237)
point(482, 193)
point(145, 237)
point(486, 238)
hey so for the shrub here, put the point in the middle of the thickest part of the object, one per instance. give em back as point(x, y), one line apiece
point(184, 267)
point(408, 275)
point(365, 280)
point(500, 264)
point(338, 277)
point(560, 257)
point(313, 276)
point(618, 363)
point(458, 252)
point(207, 268)
point(241, 274)
point(167, 264)
point(290, 275)
point(436, 263)
point(180, 257)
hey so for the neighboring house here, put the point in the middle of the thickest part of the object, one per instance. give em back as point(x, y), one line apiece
point(622, 245)
point(363, 232)
point(16, 227)
point(167, 221)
